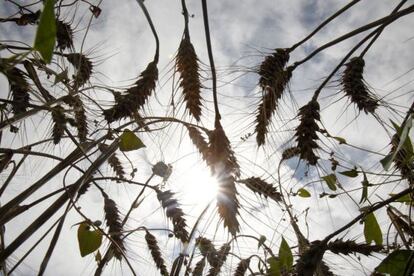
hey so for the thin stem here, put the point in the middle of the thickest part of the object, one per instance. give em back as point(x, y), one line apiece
point(154, 32)
point(324, 23)
point(385, 20)
point(370, 210)
point(185, 14)
point(380, 31)
point(211, 59)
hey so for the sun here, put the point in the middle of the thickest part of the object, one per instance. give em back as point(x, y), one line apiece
point(199, 186)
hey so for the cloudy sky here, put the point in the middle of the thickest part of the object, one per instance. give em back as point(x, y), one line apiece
point(120, 44)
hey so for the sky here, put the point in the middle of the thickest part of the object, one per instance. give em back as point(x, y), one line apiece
point(120, 44)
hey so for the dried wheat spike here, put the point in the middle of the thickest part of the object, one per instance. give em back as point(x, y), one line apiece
point(207, 249)
point(59, 122)
point(306, 131)
point(268, 105)
point(271, 66)
point(187, 65)
point(220, 154)
point(113, 221)
point(355, 87)
point(220, 260)
point(199, 267)
point(227, 204)
point(273, 81)
point(311, 259)
point(80, 116)
point(242, 267)
point(224, 166)
point(83, 67)
point(64, 35)
point(347, 247)
point(261, 187)
point(175, 213)
point(135, 96)
point(401, 160)
point(19, 88)
point(290, 152)
point(156, 253)
point(114, 162)
point(198, 141)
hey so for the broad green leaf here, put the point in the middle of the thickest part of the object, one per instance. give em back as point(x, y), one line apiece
point(262, 240)
point(339, 139)
point(129, 141)
point(285, 255)
point(387, 161)
point(404, 142)
point(365, 184)
point(372, 231)
point(396, 263)
point(89, 240)
point(274, 267)
point(331, 181)
point(404, 134)
point(46, 32)
point(302, 192)
point(405, 199)
point(351, 173)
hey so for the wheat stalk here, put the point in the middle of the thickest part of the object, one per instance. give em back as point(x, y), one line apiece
point(83, 66)
point(290, 152)
point(59, 122)
point(19, 88)
point(224, 166)
point(135, 97)
point(175, 213)
point(306, 136)
point(242, 267)
point(347, 247)
point(273, 81)
point(187, 66)
point(64, 35)
point(198, 141)
point(156, 253)
point(355, 87)
point(114, 162)
point(199, 267)
point(80, 115)
point(219, 260)
point(113, 221)
point(258, 185)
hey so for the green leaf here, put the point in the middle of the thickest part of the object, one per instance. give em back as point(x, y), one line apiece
point(339, 139)
point(129, 141)
point(387, 161)
point(46, 32)
point(89, 240)
point(285, 255)
point(372, 231)
point(351, 173)
point(396, 263)
point(274, 267)
point(331, 181)
point(302, 192)
point(365, 184)
point(405, 199)
point(405, 143)
point(262, 240)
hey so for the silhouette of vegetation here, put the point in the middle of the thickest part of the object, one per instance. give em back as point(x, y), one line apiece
point(74, 155)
